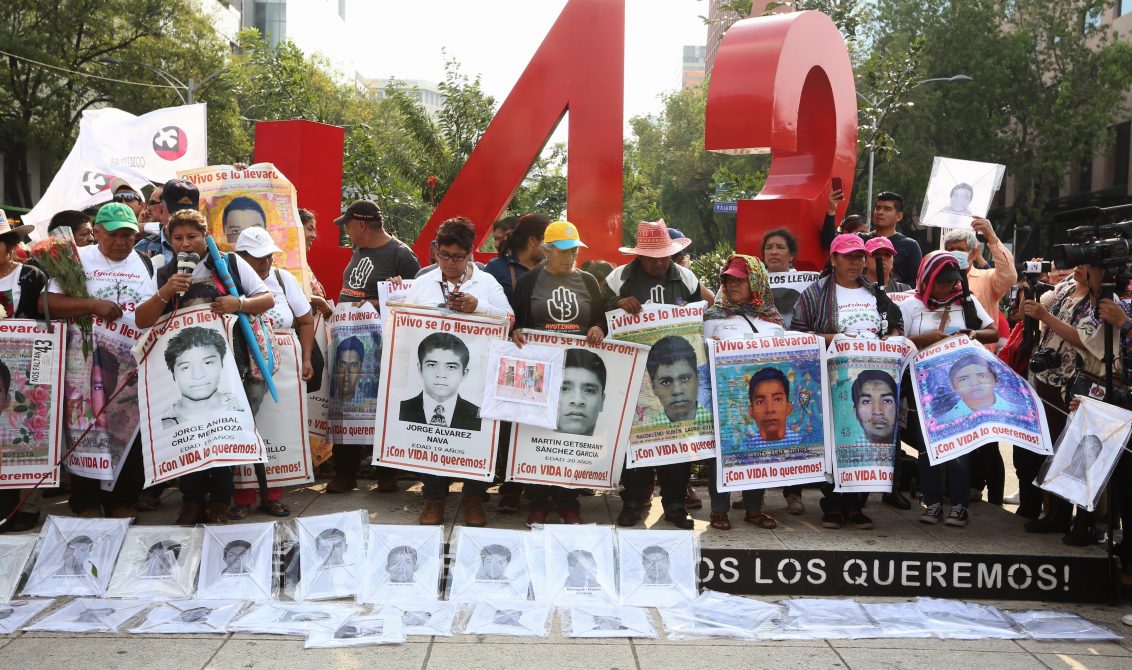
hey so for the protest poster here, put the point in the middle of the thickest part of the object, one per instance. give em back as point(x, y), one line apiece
point(318, 400)
point(101, 398)
point(771, 411)
point(958, 191)
point(31, 407)
point(259, 196)
point(864, 394)
point(354, 360)
point(672, 423)
point(431, 391)
point(194, 412)
point(523, 384)
point(595, 409)
point(967, 397)
point(1087, 452)
point(282, 425)
point(787, 287)
point(392, 292)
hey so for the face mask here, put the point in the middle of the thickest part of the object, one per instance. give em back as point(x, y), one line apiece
point(961, 256)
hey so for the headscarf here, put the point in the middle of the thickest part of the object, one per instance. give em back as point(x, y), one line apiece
point(930, 268)
point(760, 306)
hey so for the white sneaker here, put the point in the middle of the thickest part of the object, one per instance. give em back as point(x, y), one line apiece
point(1012, 500)
point(1126, 619)
point(932, 514)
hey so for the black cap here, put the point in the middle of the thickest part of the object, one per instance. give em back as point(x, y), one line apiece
point(366, 211)
point(178, 194)
point(948, 274)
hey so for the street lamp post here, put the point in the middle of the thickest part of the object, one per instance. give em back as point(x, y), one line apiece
point(191, 87)
point(876, 131)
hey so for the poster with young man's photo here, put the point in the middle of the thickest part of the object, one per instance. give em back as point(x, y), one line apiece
point(673, 421)
point(195, 413)
point(354, 362)
point(771, 411)
point(431, 391)
point(864, 391)
point(1087, 452)
point(31, 403)
point(958, 191)
point(596, 407)
point(318, 398)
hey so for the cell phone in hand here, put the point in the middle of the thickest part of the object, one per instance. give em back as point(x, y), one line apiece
point(837, 183)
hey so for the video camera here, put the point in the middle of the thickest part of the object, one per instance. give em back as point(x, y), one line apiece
point(1099, 245)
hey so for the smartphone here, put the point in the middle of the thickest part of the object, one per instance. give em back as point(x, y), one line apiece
point(454, 296)
point(837, 183)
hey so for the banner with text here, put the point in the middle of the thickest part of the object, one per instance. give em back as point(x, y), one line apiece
point(967, 397)
point(864, 394)
point(31, 403)
point(282, 425)
point(596, 406)
point(194, 412)
point(434, 366)
point(771, 409)
point(354, 361)
point(787, 287)
point(673, 423)
point(318, 401)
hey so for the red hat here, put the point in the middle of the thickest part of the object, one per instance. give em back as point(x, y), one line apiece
point(736, 267)
point(654, 241)
point(879, 243)
point(846, 244)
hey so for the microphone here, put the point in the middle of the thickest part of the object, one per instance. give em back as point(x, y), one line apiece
point(186, 263)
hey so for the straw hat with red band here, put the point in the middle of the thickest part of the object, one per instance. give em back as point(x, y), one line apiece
point(654, 241)
point(6, 226)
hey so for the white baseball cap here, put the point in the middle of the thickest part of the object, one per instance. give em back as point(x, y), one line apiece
point(256, 242)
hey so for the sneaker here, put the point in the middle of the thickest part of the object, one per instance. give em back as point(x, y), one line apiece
point(1012, 500)
point(509, 503)
point(794, 505)
point(537, 517)
point(933, 514)
point(957, 517)
point(831, 520)
point(1126, 619)
point(859, 520)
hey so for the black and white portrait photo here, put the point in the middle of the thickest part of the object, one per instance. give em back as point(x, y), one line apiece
point(442, 363)
point(237, 558)
point(237, 562)
point(598, 620)
point(581, 570)
point(402, 564)
point(494, 559)
point(1087, 452)
point(360, 630)
point(14, 614)
point(423, 618)
point(488, 563)
point(15, 550)
point(195, 358)
point(294, 618)
point(157, 561)
point(91, 615)
point(331, 547)
point(523, 618)
point(959, 190)
point(657, 568)
point(190, 616)
point(76, 556)
point(581, 564)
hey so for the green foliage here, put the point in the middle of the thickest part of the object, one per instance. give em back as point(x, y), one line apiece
point(707, 266)
point(544, 189)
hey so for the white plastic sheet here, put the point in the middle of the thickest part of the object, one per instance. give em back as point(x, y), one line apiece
point(488, 563)
point(423, 618)
point(1087, 452)
point(523, 618)
point(599, 620)
point(359, 631)
point(523, 385)
point(15, 550)
point(1044, 625)
point(157, 562)
point(16, 613)
point(294, 618)
point(237, 562)
point(898, 620)
point(91, 615)
point(403, 563)
point(657, 567)
point(715, 614)
point(825, 618)
point(332, 555)
point(958, 620)
point(536, 561)
point(190, 616)
point(581, 564)
point(76, 556)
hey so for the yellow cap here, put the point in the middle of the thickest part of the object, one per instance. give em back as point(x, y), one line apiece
point(563, 235)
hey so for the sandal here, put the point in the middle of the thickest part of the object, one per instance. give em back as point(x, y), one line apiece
point(239, 512)
point(764, 521)
point(275, 508)
point(719, 521)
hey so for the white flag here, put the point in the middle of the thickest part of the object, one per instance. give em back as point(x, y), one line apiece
point(113, 143)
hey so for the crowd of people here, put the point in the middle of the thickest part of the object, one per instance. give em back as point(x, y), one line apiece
point(877, 284)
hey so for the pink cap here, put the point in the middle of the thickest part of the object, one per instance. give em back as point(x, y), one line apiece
point(847, 244)
point(878, 244)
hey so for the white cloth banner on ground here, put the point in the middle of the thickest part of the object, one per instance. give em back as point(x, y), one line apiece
point(31, 426)
point(488, 563)
point(15, 550)
point(282, 425)
point(787, 287)
point(91, 615)
point(715, 614)
point(596, 620)
point(433, 367)
point(113, 143)
point(967, 397)
point(259, 196)
point(318, 401)
point(332, 551)
point(195, 413)
point(423, 617)
point(403, 564)
point(581, 564)
point(358, 631)
point(157, 562)
point(673, 423)
point(190, 616)
point(658, 568)
point(520, 618)
point(595, 411)
point(76, 556)
point(392, 292)
point(92, 377)
point(14, 614)
point(864, 395)
point(294, 618)
point(237, 562)
point(522, 385)
point(1087, 452)
point(354, 363)
point(771, 405)
point(959, 190)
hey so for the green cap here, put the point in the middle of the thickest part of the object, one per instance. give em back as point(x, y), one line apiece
point(115, 215)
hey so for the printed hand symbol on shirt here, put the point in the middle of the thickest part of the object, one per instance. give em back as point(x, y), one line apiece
point(361, 272)
point(563, 305)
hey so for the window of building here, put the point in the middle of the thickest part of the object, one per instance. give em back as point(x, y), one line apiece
point(270, 18)
point(1123, 7)
point(1122, 152)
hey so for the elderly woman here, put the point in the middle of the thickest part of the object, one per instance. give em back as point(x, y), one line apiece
point(743, 305)
point(940, 308)
point(844, 301)
point(207, 494)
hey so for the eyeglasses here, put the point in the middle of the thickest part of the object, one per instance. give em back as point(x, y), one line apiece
point(153, 203)
point(119, 197)
point(445, 256)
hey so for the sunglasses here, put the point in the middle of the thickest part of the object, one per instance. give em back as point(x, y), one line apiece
point(119, 197)
point(153, 203)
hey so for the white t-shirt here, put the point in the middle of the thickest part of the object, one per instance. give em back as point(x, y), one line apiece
point(126, 283)
point(10, 291)
point(736, 327)
point(289, 303)
point(857, 311)
point(918, 319)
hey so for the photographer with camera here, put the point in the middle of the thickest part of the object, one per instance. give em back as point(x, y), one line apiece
point(1070, 339)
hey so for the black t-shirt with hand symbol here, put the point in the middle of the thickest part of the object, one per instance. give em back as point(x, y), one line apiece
point(367, 267)
point(561, 303)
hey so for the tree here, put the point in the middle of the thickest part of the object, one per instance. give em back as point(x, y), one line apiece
point(544, 189)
